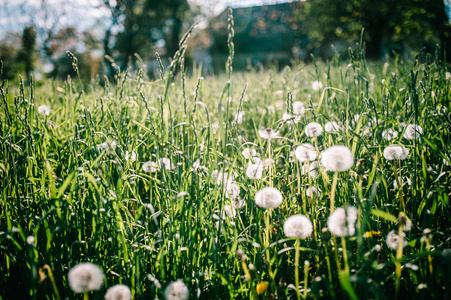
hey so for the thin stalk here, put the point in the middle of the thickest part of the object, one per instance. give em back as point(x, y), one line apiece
point(296, 268)
point(398, 259)
point(332, 192)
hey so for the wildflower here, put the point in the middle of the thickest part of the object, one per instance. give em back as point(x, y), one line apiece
point(311, 191)
point(393, 240)
point(298, 108)
point(150, 167)
point(167, 163)
point(316, 85)
point(342, 222)
point(413, 132)
point(396, 152)
point(306, 152)
point(177, 290)
point(332, 127)
point(337, 158)
point(268, 134)
point(313, 129)
point(268, 197)
point(389, 134)
point(248, 153)
point(118, 292)
point(85, 277)
point(44, 110)
point(255, 171)
point(239, 117)
point(298, 226)
point(30, 240)
point(131, 156)
point(262, 287)
point(196, 165)
point(267, 162)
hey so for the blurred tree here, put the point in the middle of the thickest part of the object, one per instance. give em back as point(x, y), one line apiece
point(401, 25)
point(148, 23)
point(27, 54)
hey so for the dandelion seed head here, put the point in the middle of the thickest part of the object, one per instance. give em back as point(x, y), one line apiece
point(268, 197)
point(317, 85)
point(313, 129)
point(337, 158)
point(150, 167)
point(131, 156)
point(393, 240)
point(396, 152)
point(85, 277)
point(389, 134)
point(332, 127)
point(342, 222)
point(232, 190)
point(248, 153)
point(298, 108)
point(177, 290)
point(44, 110)
point(239, 117)
point(166, 162)
point(413, 132)
point(255, 171)
point(238, 203)
point(268, 134)
point(306, 152)
point(312, 191)
point(118, 292)
point(229, 211)
point(298, 226)
point(290, 119)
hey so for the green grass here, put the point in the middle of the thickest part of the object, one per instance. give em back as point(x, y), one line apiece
point(81, 204)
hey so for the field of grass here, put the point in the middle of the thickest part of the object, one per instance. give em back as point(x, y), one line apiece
point(87, 183)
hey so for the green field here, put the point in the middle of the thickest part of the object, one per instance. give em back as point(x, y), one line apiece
point(87, 183)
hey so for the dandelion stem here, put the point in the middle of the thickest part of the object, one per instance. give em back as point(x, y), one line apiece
point(306, 269)
point(296, 268)
point(332, 192)
point(85, 296)
point(399, 183)
point(398, 259)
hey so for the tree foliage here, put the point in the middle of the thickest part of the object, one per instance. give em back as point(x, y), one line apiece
point(402, 25)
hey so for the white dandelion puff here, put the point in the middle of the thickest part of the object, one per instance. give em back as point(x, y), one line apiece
point(298, 108)
point(306, 152)
point(298, 226)
point(131, 156)
point(248, 153)
point(413, 132)
point(150, 167)
point(229, 211)
point(255, 171)
point(232, 190)
point(312, 191)
point(342, 222)
point(268, 134)
point(316, 85)
point(290, 119)
point(313, 129)
point(238, 203)
point(166, 162)
point(118, 292)
point(337, 158)
point(332, 127)
point(268, 197)
point(396, 152)
point(177, 290)
point(44, 110)
point(395, 183)
point(222, 178)
point(393, 240)
point(85, 277)
point(389, 134)
point(314, 170)
point(239, 117)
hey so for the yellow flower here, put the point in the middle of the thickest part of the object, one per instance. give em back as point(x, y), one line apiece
point(261, 287)
point(369, 234)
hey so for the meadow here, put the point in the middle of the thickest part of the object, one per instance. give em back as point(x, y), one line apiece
point(167, 182)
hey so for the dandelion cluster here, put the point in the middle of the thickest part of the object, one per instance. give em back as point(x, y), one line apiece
point(177, 290)
point(306, 152)
point(413, 132)
point(313, 129)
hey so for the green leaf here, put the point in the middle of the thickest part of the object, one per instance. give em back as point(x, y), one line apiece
point(346, 284)
point(384, 215)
